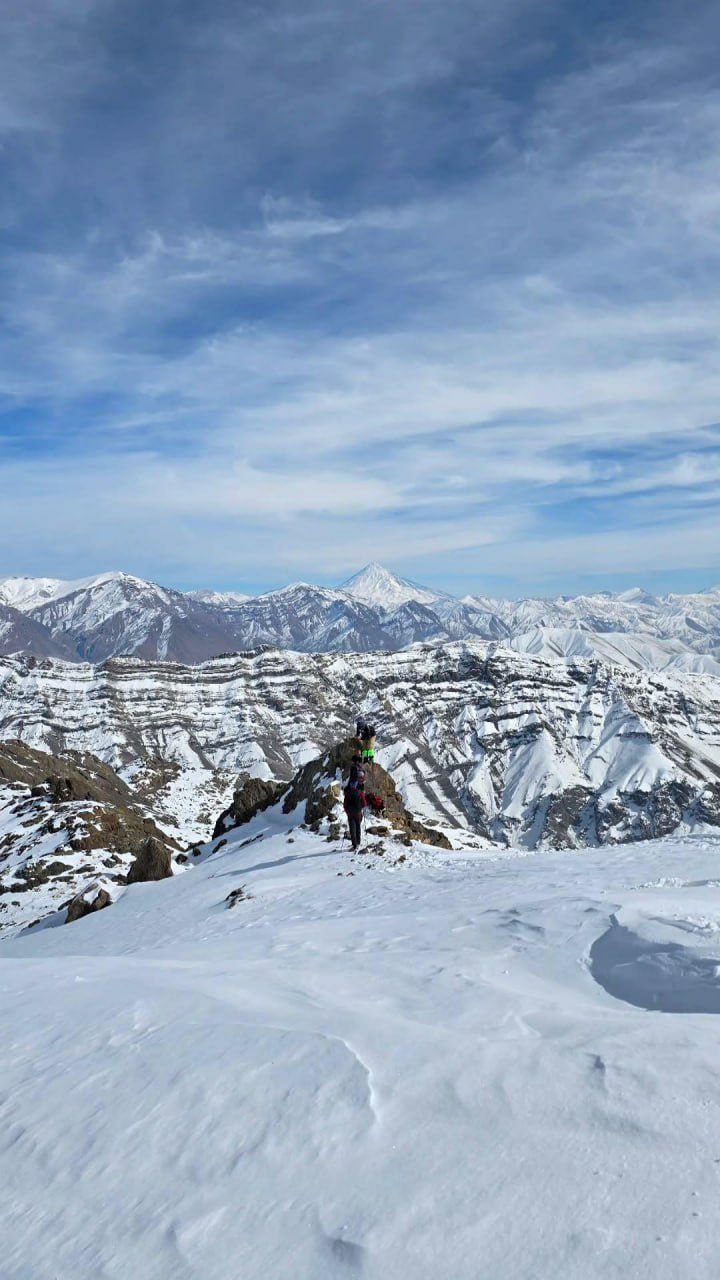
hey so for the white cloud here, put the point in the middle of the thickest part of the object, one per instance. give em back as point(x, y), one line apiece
point(439, 356)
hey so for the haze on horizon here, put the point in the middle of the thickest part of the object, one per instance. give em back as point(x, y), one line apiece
point(290, 288)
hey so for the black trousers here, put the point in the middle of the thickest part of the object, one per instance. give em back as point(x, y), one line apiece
point(355, 826)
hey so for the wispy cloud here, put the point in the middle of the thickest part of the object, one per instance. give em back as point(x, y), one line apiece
point(311, 285)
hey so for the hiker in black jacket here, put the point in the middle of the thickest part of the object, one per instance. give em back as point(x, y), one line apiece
point(357, 773)
point(354, 802)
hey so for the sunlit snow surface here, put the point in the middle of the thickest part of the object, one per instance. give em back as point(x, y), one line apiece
point(408, 1072)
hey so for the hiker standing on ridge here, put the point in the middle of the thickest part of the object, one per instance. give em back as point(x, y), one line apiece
point(367, 738)
point(357, 773)
point(354, 802)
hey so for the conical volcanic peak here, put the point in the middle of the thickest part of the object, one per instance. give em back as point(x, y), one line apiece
point(376, 585)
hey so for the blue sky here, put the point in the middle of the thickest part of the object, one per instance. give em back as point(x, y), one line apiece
point(290, 287)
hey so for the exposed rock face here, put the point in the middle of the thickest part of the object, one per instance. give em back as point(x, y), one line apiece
point(83, 904)
point(397, 815)
point(77, 776)
point(153, 862)
point(319, 786)
point(252, 796)
point(62, 820)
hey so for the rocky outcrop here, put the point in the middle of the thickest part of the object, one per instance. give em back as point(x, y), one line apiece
point(62, 820)
point(318, 787)
point(397, 816)
point(251, 796)
point(91, 899)
point(153, 862)
point(75, 776)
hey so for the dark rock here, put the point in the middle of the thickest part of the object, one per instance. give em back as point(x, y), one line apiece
point(153, 862)
point(237, 895)
point(252, 796)
point(78, 776)
point(81, 905)
point(34, 874)
point(57, 868)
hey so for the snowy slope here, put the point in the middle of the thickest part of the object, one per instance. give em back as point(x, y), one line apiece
point(626, 648)
point(22, 634)
point(409, 1072)
point(25, 593)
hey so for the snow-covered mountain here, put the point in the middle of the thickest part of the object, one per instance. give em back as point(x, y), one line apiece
point(498, 745)
point(20, 633)
point(378, 586)
point(116, 614)
point(223, 599)
point(692, 620)
point(120, 613)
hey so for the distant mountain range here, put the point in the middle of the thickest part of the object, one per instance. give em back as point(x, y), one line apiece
point(118, 614)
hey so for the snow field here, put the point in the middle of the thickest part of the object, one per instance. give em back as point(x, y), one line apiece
point(407, 1072)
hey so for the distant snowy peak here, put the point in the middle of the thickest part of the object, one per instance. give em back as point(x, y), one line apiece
point(637, 595)
point(221, 599)
point(26, 593)
point(378, 586)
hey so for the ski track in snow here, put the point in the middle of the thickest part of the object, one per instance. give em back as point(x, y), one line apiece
point(413, 1072)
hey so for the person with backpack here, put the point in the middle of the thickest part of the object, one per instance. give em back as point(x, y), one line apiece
point(367, 738)
point(357, 772)
point(354, 802)
point(369, 741)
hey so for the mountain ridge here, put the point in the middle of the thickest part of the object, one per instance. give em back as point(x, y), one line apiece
point(480, 738)
point(119, 614)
